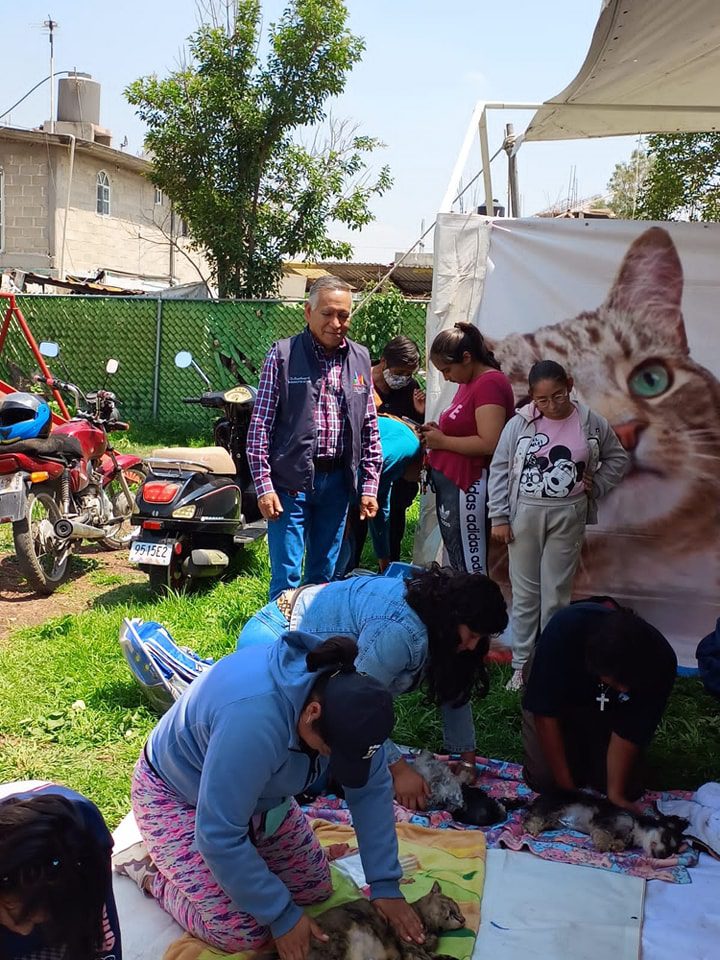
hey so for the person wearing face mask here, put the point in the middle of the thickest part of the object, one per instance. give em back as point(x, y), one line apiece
point(398, 394)
point(313, 440)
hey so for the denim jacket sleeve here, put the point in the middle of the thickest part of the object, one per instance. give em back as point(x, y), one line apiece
point(458, 728)
point(388, 648)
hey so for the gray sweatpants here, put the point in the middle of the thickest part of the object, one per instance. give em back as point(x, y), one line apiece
point(544, 554)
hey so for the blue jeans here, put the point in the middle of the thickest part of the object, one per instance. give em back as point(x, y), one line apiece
point(311, 524)
point(265, 626)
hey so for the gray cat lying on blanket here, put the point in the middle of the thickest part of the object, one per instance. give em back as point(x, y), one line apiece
point(357, 930)
point(609, 827)
point(449, 791)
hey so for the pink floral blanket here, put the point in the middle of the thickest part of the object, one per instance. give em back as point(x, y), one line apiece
point(503, 780)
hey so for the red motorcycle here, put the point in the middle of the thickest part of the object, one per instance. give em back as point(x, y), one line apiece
point(68, 487)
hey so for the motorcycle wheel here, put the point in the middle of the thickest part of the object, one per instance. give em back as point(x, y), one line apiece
point(171, 578)
point(42, 558)
point(121, 508)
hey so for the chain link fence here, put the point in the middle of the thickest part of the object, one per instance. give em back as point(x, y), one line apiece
point(228, 339)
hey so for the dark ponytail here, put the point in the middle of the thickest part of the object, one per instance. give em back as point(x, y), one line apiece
point(449, 346)
point(335, 653)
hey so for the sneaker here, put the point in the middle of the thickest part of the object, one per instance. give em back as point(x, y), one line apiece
point(516, 682)
point(135, 863)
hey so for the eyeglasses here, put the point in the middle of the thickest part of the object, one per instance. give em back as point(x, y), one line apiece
point(556, 399)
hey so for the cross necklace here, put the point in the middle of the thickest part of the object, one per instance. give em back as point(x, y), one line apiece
point(603, 699)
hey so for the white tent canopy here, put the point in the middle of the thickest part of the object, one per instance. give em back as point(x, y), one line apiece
point(653, 67)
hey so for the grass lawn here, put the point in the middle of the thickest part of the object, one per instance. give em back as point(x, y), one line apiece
point(69, 710)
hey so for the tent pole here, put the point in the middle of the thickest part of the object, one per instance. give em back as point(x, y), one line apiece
point(485, 160)
point(470, 134)
point(513, 191)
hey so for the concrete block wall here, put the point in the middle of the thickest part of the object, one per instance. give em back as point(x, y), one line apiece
point(130, 240)
point(25, 239)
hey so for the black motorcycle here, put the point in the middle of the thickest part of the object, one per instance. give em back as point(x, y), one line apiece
point(198, 506)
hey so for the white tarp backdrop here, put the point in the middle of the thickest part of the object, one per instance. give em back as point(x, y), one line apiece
point(631, 309)
point(653, 67)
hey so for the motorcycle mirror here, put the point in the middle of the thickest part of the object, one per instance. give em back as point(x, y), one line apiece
point(183, 359)
point(111, 366)
point(49, 349)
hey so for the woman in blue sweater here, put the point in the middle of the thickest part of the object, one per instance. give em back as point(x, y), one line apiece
point(231, 856)
point(433, 629)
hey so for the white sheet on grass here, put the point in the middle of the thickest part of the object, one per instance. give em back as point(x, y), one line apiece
point(538, 908)
point(551, 911)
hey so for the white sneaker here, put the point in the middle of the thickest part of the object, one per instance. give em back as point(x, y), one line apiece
point(516, 682)
point(135, 862)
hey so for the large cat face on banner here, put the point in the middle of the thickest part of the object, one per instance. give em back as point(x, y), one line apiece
point(631, 363)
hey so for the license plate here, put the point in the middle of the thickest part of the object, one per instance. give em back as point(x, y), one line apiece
point(156, 554)
point(13, 498)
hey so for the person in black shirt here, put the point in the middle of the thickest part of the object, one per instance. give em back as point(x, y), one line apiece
point(398, 393)
point(598, 683)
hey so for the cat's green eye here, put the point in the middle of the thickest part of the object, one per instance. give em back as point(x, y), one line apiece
point(650, 380)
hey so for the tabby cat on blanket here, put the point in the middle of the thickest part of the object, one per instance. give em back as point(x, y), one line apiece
point(609, 827)
point(357, 931)
point(631, 363)
point(466, 803)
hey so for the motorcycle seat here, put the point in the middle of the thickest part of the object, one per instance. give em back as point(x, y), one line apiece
point(214, 459)
point(55, 447)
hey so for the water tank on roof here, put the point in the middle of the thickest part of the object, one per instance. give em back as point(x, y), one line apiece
point(79, 99)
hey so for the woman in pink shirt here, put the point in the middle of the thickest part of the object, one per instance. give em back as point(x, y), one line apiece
point(462, 442)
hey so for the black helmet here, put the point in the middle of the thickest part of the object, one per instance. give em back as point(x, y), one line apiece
point(24, 416)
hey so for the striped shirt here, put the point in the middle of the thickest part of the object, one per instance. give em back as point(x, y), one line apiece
point(331, 422)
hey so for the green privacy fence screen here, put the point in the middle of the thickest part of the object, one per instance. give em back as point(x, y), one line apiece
point(228, 339)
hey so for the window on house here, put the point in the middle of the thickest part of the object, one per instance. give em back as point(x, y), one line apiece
point(103, 194)
point(158, 196)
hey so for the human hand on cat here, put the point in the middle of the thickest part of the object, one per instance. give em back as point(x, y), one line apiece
point(295, 944)
point(502, 533)
point(410, 788)
point(402, 918)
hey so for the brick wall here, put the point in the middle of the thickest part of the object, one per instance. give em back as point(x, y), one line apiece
point(26, 200)
point(132, 239)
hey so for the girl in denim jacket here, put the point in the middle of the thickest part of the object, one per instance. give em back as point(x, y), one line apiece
point(433, 628)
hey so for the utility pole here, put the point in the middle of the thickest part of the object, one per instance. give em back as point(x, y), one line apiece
point(51, 26)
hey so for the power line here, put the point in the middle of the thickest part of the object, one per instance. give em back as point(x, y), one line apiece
point(57, 73)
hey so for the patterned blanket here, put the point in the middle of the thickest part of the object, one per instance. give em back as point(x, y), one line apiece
point(455, 860)
point(503, 780)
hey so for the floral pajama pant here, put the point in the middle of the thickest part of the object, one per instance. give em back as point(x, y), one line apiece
point(184, 885)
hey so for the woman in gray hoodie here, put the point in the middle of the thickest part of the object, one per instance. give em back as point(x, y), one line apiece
point(553, 461)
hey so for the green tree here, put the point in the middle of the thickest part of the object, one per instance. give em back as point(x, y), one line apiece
point(379, 318)
point(626, 184)
point(683, 182)
point(224, 131)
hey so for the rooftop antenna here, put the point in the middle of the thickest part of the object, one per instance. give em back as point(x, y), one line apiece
point(51, 26)
point(421, 245)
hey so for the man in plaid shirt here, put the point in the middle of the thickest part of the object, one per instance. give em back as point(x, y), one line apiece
point(313, 441)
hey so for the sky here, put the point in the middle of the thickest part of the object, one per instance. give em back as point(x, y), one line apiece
point(425, 66)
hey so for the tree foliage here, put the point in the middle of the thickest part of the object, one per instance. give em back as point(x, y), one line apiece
point(683, 182)
point(379, 318)
point(627, 183)
point(224, 130)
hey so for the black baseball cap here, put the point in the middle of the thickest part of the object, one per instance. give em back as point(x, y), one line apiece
point(358, 718)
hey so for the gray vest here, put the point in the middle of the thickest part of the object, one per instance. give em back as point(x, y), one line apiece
point(293, 441)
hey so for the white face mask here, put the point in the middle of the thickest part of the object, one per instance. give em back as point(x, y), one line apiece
point(394, 381)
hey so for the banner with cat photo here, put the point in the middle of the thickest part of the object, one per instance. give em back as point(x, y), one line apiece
point(632, 310)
